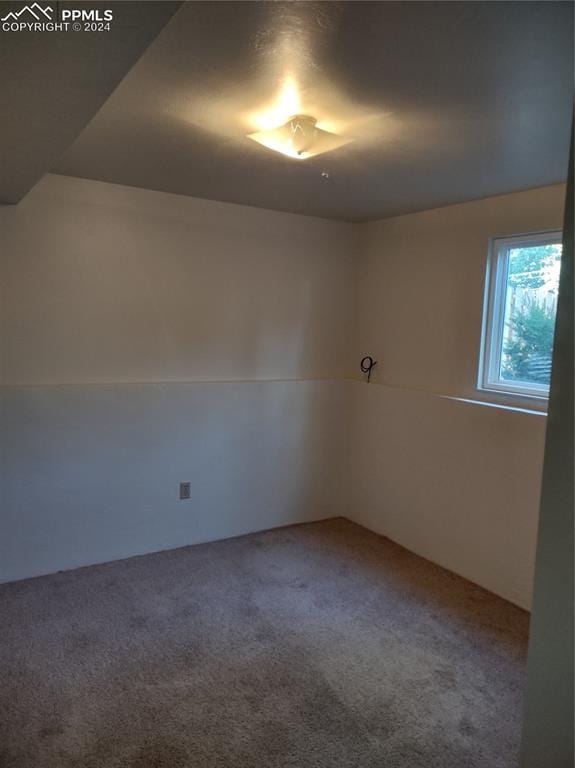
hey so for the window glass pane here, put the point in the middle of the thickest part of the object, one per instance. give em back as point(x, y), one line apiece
point(529, 314)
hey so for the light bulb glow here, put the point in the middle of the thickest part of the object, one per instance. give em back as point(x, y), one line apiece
point(287, 103)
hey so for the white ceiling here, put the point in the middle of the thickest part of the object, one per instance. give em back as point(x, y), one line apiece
point(445, 101)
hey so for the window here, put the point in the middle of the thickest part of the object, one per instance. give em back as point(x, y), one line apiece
point(519, 319)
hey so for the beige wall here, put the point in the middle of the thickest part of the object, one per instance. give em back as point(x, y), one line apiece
point(152, 339)
point(104, 283)
point(421, 287)
point(91, 472)
point(455, 482)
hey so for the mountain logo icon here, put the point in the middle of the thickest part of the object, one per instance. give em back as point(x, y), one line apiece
point(35, 10)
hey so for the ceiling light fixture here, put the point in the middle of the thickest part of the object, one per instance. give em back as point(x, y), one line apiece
point(299, 138)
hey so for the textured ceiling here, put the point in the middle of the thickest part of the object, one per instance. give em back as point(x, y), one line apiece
point(445, 101)
point(53, 83)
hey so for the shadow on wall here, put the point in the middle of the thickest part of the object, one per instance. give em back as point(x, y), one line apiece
point(107, 283)
point(92, 472)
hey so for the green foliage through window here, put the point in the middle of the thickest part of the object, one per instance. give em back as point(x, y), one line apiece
point(527, 353)
point(528, 267)
point(530, 303)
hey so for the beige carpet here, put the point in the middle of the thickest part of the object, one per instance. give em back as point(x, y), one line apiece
point(316, 646)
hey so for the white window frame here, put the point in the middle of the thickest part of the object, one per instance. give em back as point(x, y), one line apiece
point(494, 315)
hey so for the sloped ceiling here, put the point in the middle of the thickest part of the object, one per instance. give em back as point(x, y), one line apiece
point(445, 101)
point(53, 82)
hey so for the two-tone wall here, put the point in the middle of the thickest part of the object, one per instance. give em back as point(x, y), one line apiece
point(149, 339)
point(457, 482)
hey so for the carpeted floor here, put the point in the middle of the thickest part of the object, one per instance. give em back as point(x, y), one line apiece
point(315, 646)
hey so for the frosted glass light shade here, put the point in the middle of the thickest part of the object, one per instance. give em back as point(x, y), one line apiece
point(299, 138)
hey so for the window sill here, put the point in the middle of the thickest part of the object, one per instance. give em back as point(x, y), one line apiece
point(517, 407)
point(514, 403)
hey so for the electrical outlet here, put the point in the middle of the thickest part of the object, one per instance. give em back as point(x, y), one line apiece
point(185, 490)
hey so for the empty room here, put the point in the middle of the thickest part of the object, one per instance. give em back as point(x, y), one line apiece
point(286, 384)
